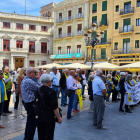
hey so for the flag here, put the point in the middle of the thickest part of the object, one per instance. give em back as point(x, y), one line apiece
point(79, 93)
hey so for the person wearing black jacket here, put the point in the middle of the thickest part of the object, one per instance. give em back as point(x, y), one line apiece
point(63, 87)
point(114, 91)
point(46, 108)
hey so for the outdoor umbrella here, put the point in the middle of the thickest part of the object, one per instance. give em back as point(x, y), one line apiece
point(49, 66)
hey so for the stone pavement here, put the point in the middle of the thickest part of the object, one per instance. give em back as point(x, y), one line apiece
point(119, 126)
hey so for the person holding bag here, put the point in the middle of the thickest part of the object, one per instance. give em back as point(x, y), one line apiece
point(46, 108)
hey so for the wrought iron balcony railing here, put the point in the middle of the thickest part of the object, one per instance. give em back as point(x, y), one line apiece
point(103, 22)
point(58, 36)
point(79, 15)
point(60, 20)
point(125, 29)
point(126, 51)
point(78, 33)
point(68, 35)
point(127, 11)
point(69, 18)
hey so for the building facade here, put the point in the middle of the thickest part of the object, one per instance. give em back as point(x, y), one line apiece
point(121, 22)
point(70, 19)
point(25, 40)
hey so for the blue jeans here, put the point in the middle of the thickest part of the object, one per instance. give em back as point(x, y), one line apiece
point(63, 97)
point(70, 105)
point(107, 98)
point(83, 89)
point(75, 102)
point(57, 89)
point(1, 109)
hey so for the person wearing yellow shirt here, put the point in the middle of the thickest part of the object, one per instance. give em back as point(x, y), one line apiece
point(3, 94)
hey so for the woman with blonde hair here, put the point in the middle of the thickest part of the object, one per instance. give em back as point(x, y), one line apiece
point(19, 80)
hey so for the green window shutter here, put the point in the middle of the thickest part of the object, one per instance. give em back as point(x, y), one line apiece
point(94, 34)
point(126, 40)
point(104, 19)
point(94, 19)
point(127, 21)
point(103, 53)
point(137, 44)
point(104, 40)
point(116, 25)
point(127, 3)
point(94, 7)
point(104, 5)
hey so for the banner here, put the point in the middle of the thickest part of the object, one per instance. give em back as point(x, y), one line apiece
point(133, 96)
point(79, 93)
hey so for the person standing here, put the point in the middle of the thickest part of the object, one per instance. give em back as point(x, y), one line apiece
point(84, 83)
point(63, 87)
point(8, 84)
point(3, 95)
point(134, 80)
point(72, 87)
point(55, 83)
point(46, 98)
point(99, 95)
point(28, 89)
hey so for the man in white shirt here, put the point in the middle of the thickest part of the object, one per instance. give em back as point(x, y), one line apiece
point(71, 86)
point(99, 94)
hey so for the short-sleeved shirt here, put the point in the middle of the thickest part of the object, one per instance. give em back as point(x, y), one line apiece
point(97, 86)
point(2, 91)
point(55, 79)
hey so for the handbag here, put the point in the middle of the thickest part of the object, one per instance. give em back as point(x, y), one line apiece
point(68, 92)
point(59, 109)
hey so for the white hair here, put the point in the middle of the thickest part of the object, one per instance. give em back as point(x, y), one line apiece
point(117, 71)
point(122, 74)
point(28, 70)
point(99, 72)
point(18, 69)
point(138, 76)
point(45, 78)
point(108, 75)
point(78, 70)
point(53, 68)
point(65, 70)
point(134, 75)
point(91, 76)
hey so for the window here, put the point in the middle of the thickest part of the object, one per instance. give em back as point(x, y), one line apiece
point(138, 22)
point(59, 50)
point(68, 49)
point(19, 26)
point(31, 63)
point(60, 15)
point(80, 10)
point(43, 62)
point(116, 25)
point(126, 45)
point(116, 46)
point(103, 53)
point(19, 44)
point(6, 24)
point(32, 27)
point(117, 8)
point(69, 29)
point(104, 20)
point(94, 8)
point(127, 25)
point(79, 27)
point(43, 47)
point(94, 19)
point(69, 13)
point(5, 62)
point(104, 40)
point(60, 31)
point(44, 28)
point(138, 3)
point(104, 5)
point(31, 47)
point(136, 43)
point(6, 45)
point(78, 48)
point(127, 7)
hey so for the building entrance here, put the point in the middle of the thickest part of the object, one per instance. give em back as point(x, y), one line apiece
point(19, 63)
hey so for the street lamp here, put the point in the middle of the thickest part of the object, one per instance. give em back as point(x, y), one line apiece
point(92, 41)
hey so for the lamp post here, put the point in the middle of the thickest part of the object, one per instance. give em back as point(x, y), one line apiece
point(93, 41)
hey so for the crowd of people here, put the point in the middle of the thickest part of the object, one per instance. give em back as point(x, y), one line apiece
point(38, 92)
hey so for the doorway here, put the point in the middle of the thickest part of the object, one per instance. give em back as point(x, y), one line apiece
point(19, 63)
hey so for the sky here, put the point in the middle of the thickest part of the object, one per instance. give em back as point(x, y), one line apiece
point(18, 6)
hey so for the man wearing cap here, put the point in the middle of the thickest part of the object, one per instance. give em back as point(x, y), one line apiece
point(55, 83)
point(3, 95)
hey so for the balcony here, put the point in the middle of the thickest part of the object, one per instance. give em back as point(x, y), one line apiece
point(69, 19)
point(127, 11)
point(105, 43)
point(68, 36)
point(126, 29)
point(59, 37)
point(78, 34)
point(19, 50)
point(126, 51)
point(59, 21)
point(103, 24)
point(79, 16)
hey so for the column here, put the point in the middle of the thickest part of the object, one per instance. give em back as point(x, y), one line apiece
point(12, 63)
point(25, 62)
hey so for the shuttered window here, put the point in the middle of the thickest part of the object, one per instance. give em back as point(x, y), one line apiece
point(94, 19)
point(104, 5)
point(116, 46)
point(104, 19)
point(104, 40)
point(94, 8)
point(137, 44)
point(103, 53)
point(94, 34)
point(127, 21)
point(126, 40)
point(116, 25)
point(69, 29)
point(79, 27)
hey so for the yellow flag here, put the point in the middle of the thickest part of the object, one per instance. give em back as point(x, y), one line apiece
point(79, 93)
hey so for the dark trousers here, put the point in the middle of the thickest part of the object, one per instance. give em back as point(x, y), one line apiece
point(31, 123)
point(1, 109)
point(6, 103)
point(122, 101)
point(114, 95)
point(45, 130)
point(16, 103)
